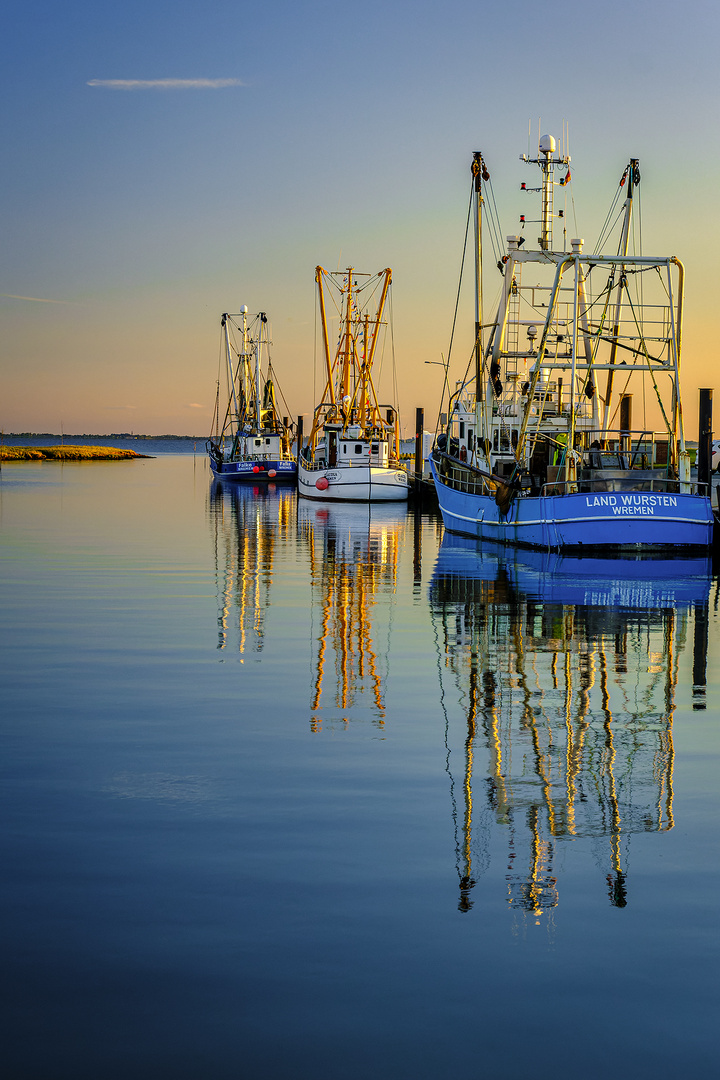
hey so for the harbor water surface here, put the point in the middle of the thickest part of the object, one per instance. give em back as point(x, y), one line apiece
point(296, 789)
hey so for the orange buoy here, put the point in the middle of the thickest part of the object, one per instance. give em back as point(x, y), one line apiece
point(271, 472)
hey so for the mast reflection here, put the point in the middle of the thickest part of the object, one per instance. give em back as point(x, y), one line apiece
point(249, 521)
point(353, 553)
point(565, 672)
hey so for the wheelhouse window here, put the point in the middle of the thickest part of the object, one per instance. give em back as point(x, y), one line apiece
point(358, 448)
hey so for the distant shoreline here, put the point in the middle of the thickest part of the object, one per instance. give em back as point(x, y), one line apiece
point(114, 435)
point(67, 453)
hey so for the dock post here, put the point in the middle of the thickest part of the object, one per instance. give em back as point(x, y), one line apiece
point(419, 426)
point(704, 456)
point(299, 435)
point(626, 427)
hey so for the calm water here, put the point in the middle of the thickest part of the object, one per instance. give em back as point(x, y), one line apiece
point(304, 791)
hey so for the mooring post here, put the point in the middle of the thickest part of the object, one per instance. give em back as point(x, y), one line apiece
point(419, 425)
point(704, 455)
point(299, 435)
point(626, 426)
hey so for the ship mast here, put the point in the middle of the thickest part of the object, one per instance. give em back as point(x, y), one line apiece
point(258, 348)
point(480, 173)
point(632, 174)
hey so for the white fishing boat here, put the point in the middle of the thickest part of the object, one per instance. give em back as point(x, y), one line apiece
point(250, 440)
point(541, 447)
point(353, 448)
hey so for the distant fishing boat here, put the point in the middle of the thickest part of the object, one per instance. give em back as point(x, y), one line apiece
point(353, 449)
point(540, 447)
point(250, 440)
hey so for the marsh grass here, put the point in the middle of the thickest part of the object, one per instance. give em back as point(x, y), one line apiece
point(65, 453)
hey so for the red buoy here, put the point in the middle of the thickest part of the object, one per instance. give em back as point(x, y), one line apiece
point(322, 484)
point(271, 472)
point(256, 468)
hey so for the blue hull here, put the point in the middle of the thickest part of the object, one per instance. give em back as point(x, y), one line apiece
point(254, 470)
point(612, 521)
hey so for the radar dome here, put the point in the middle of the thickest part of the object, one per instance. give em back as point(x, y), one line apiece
point(547, 145)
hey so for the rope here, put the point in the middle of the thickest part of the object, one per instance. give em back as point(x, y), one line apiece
point(457, 302)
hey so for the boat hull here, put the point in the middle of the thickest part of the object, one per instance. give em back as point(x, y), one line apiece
point(613, 521)
point(360, 483)
point(254, 470)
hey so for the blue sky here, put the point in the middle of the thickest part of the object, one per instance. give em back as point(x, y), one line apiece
point(337, 134)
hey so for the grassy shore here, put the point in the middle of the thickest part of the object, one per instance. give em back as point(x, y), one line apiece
point(66, 453)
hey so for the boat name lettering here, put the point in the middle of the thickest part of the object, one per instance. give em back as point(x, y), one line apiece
point(631, 504)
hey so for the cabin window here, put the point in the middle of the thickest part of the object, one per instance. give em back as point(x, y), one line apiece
point(344, 448)
point(358, 448)
point(267, 442)
point(471, 439)
point(258, 442)
point(462, 429)
point(375, 448)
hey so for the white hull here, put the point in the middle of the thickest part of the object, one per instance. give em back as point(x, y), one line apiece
point(357, 483)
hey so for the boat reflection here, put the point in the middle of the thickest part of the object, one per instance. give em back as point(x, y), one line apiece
point(564, 671)
point(248, 521)
point(353, 550)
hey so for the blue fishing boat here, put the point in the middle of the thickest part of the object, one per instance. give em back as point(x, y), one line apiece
point(540, 447)
point(250, 441)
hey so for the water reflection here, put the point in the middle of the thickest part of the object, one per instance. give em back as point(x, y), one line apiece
point(248, 522)
point(559, 675)
point(353, 551)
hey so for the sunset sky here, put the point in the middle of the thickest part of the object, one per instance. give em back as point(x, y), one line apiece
point(165, 162)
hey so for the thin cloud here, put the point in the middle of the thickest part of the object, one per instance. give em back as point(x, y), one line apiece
point(194, 405)
point(165, 84)
point(35, 299)
point(120, 408)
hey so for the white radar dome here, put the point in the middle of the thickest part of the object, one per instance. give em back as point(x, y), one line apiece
point(547, 145)
point(243, 309)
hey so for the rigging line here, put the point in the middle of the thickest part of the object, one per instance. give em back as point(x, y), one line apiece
point(279, 389)
point(446, 386)
point(497, 244)
point(494, 222)
point(314, 356)
point(606, 228)
point(647, 358)
point(396, 397)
